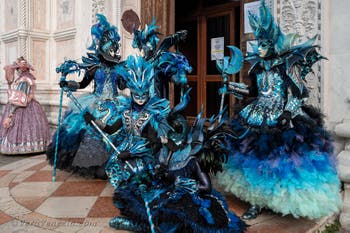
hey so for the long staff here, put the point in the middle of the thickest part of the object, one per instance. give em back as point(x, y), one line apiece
point(228, 67)
point(57, 133)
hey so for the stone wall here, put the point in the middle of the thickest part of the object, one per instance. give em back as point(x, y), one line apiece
point(338, 92)
point(47, 32)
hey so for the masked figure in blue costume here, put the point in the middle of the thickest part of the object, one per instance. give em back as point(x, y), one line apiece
point(187, 202)
point(79, 143)
point(170, 66)
point(142, 127)
point(141, 121)
point(285, 162)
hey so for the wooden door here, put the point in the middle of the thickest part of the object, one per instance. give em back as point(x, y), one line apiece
point(206, 24)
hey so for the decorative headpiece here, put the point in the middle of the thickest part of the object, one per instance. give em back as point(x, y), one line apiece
point(265, 28)
point(105, 39)
point(27, 65)
point(138, 74)
point(147, 37)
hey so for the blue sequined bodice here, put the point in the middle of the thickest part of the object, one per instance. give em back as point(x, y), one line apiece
point(270, 101)
point(135, 121)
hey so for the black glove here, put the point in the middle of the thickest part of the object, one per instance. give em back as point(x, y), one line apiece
point(72, 85)
point(181, 35)
point(284, 119)
point(63, 84)
point(121, 83)
point(124, 155)
point(88, 117)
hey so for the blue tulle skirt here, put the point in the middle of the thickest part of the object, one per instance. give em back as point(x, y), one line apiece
point(290, 171)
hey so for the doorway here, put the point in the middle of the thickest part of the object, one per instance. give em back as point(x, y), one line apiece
point(208, 22)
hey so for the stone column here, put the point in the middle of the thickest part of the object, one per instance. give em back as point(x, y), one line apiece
point(343, 130)
point(338, 91)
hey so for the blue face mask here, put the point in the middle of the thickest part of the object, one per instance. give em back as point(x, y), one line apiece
point(265, 48)
point(140, 97)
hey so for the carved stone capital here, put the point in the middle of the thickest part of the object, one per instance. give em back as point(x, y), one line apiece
point(303, 17)
point(98, 6)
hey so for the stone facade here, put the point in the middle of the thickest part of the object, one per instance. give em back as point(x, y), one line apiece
point(337, 91)
point(48, 31)
point(303, 17)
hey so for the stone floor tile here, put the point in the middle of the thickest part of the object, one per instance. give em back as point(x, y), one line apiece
point(321, 223)
point(47, 168)
point(30, 203)
point(86, 203)
point(38, 166)
point(90, 229)
point(3, 172)
point(66, 207)
point(77, 228)
point(104, 207)
point(263, 217)
point(7, 159)
point(35, 189)
point(97, 222)
point(13, 184)
point(88, 188)
point(4, 192)
point(7, 179)
point(10, 207)
point(4, 218)
point(69, 229)
point(73, 220)
point(22, 176)
point(42, 221)
point(301, 225)
point(21, 227)
point(40, 176)
point(108, 191)
point(269, 227)
point(22, 165)
point(40, 156)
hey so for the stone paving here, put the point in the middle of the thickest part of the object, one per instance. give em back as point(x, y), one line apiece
point(30, 202)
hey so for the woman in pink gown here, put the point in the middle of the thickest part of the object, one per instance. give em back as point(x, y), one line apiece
point(23, 125)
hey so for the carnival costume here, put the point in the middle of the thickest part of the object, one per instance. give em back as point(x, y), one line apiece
point(143, 119)
point(176, 194)
point(169, 66)
point(285, 159)
point(159, 184)
point(23, 125)
point(188, 202)
point(78, 143)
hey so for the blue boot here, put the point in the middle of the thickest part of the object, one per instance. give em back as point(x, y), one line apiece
point(122, 223)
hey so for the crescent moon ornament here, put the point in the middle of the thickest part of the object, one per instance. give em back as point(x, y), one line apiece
point(233, 64)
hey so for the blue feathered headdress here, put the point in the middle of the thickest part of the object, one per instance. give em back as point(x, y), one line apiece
point(147, 35)
point(265, 28)
point(99, 28)
point(138, 74)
